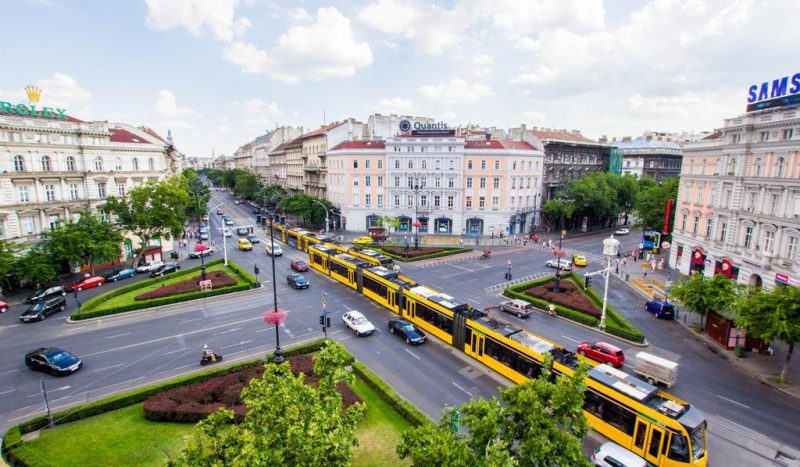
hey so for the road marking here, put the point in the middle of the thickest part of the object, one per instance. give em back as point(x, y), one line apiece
point(9, 371)
point(190, 320)
point(60, 389)
point(571, 339)
point(110, 367)
point(348, 308)
point(733, 402)
point(473, 301)
point(226, 331)
point(118, 335)
point(459, 387)
point(6, 392)
point(412, 354)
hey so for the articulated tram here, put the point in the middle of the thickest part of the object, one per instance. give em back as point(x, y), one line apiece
point(661, 428)
point(302, 239)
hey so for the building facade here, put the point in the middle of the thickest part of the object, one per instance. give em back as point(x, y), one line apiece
point(738, 207)
point(651, 157)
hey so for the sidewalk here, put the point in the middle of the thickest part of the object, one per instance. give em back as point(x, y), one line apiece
point(762, 367)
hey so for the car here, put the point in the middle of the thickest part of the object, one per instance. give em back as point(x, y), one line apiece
point(660, 309)
point(87, 283)
point(43, 309)
point(119, 275)
point(579, 260)
point(412, 334)
point(256, 210)
point(602, 352)
point(520, 308)
point(226, 232)
point(622, 231)
point(219, 212)
point(242, 231)
point(203, 234)
point(245, 245)
point(253, 238)
point(147, 267)
point(229, 221)
point(298, 265)
point(563, 264)
point(3, 306)
point(208, 251)
point(273, 251)
point(363, 241)
point(165, 269)
point(610, 454)
point(236, 202)
point(53, 361)
point(43, 293)
point(358, 323)
point(298, 281)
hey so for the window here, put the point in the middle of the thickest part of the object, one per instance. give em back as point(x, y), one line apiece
point(151, 164)
point(53, 220)
point(780, 167)
point(397, 164)
point(497, 165)
point(696, 225)
point(46, 165)
point(723, 231)
point(121, 190)
point(135, 163)
point(748, 237)
point(763, 136)
point(528, 182)
point(683, 222)
point(451, 182)
point(757, 168)
point(496, 182)
point(355, 199)
point(732, 167)
point(469, 182)
point(482, 202)
point(469, 165)
point(699, 198)
point(355, 164)
point(437, 182)
point(368, 199)
point(380, 200)
point(50, 192)
point(512, 203)
point(73, 191)
point(98, 163)
point(423, 200)
point(22, 191)
point(355, 180)
point(397, 181)
point(437, 201)
point(483, 165)
point(437, 163)
point(410, 200)
point(773, 204)
point(450, 202)
point(19, 164)
point(366, 164)
point(482, 182)
point(28, 225)
point(367, 181)
point(495, 202)
point(751, 201)
point(452, 164)
point(380, 163)
point(70, 164)
point(709, 227)
point(791, 249)
point(101, 190)
point(119, 164)
point(736, 138)
point(703, 167)
point(396, 200)
point(411, 164)
point(424, 164)
point(380, 181)
point(104, 216)
point(468, 202)
point(769, 241)
point(687, 193)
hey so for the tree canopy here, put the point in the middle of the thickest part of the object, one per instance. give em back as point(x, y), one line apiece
point(539, 422)
point(305, 207)
point(651, 204)
point(89, 238)
point(702, 295)
point(8, 260)
point(36, 266)
point(199, 196)
point(246, 184)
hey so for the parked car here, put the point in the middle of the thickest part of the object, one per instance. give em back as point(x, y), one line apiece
point(3, 306)
point(119, 275)
point(53, 361)
point(203, 234)
point(197, 254)
point(150, 266)
point(43, 293)
point(565, 265)
point(661, 309)
point(226, 232)
point(219, 211)
point(236, 201)
point(242, 231)
point(87, 283)
point(273, 251)
point(362, 241)
point(520, 308)
point(602, 352)
point(43, 309)
point(165, 269)
point(253, 238)
point(245, 245)
point(298, 265)
point(358, 323)
point(406, 330)
point(622, 231)
point(297, 281)
point(610, 454)
point(579, 260)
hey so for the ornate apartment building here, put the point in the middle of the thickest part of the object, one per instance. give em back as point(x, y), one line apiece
point(652, 156)
point(738, 207)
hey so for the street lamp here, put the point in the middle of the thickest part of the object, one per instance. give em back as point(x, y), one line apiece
point(275, 316)
point(196, 197)
point(417, 224)
point(610, 250)
point(326, 213)
point(560, 252)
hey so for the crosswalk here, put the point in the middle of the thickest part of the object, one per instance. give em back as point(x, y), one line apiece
point(501, 286)
point(446, 260)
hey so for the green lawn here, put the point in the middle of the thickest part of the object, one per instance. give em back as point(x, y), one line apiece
point(128, 298)
point(379, 432)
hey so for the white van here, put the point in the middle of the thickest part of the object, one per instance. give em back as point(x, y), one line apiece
point(521, 308)
point(276, 252)
point(614, 455)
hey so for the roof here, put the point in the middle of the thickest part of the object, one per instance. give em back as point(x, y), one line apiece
point(152, 133)
point(643, 143)
point(717, 134)
point(544, 134)
point(280, 148)
point(360, 144)
point(118, 135)
point(319, 131)
point(498, 144)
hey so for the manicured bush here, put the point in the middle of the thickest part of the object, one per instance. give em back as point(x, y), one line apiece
point(218, 280)
point(407, 410)
point(243, 275)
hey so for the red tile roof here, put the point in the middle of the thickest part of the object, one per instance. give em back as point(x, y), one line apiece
point(152, 133)
point(498, 144)
point(280, 148)
point(560, 135)
point(72, 119)
point(118, 135)
point(360, 145)
point(320, 130)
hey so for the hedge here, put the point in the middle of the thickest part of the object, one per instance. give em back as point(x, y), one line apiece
point(447, 252)
point(88, 312)
point(403, 407)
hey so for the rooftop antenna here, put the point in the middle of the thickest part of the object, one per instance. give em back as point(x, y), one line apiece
point(323, 118)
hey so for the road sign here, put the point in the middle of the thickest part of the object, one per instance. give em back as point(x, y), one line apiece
point(324, 300)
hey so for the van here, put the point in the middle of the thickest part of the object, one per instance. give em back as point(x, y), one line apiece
point(614, 455)
point(521, 308)
point(663, 310)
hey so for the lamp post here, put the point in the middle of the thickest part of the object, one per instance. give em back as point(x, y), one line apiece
point(416, 187)
point(326, 213)
point(200, 239)
point(560, 252)
point(610, 250)
point(275, 316)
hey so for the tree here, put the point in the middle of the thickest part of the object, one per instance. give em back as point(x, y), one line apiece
point(154, 210)
point(199, 196)
point(288, 422)
point(89, 238)
point(651, 204)
point(36, 266)
point(539, 422)
point(772, 315)
point(306, 208)
point(247, 184)
point(702, 295)
point(389, 222)
point(8, 259)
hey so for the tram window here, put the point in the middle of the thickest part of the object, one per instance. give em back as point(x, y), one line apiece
point(468, 335)
point(435, 318)
point(678, 448)
point(338, 269)
point(610, 412)
point(374, 286)
point(641, 430)
point(528, 368)
point(655, 441)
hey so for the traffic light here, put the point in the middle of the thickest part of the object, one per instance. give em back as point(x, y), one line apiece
point(255, 269)
point(328, 323)
point(587, 281)
point(322, 320)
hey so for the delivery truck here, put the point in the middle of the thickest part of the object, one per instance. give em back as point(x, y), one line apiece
point(654, 369)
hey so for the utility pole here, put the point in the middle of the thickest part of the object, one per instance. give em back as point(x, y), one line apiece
point(47, 405)
point(323, 319)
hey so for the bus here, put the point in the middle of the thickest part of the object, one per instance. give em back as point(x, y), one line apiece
point(651, 240)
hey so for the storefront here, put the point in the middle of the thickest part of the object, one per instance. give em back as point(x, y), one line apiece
point(372, 220)
point(444, 225)
point(475, 226)
point(726, 268)
point(405, 224)
point(698, 262)
point(423, 224)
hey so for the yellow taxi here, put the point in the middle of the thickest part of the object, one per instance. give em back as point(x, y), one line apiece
point(579, 260)
point(362, 241)
point(245, 244)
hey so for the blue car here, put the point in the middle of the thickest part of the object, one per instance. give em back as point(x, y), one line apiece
point(412, 334)
point(119, 275)
point(662, 310)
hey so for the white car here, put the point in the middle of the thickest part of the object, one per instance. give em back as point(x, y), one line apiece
point(207, 252)
point(613, 455)
point(565, 265)
point(622, 231)
point(278, 251)
point(226, 232)
point(150, 266)
point(358, 323)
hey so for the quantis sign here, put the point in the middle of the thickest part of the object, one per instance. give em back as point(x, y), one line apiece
point(29, 109)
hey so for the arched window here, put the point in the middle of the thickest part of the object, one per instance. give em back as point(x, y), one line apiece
point(151, 164)
point(98, 164)
point(119, 164)
point(70, 164)
point(135, 164)
point(780, 167)
point(757, 168)
point(732, 166)
point(46, 165)
point(380, 163)
point(19, 163)
point(424, 164)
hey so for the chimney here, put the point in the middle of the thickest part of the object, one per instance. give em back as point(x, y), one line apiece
point(524, 127)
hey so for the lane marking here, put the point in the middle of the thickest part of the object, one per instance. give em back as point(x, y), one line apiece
point(60, 389)
point(9, 371)
point(733, 402)
point(459, 387)
point(190, 320)
point(569, 338)
point(412, 354)
point(118, 335)
point(110, 367)
point(6, 392)
point(348, 308)
point(227, 331)
point(473, 301)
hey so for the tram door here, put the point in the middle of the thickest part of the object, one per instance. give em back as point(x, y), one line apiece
point(638, 437)
point(476, 345)
point(653, 447)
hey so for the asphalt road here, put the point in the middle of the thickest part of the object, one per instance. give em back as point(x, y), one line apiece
point(139, 348)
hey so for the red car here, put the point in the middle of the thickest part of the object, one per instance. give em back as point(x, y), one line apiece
point(299, 265)
point(602, 352)
point(87, 283)
point(219, 212)
point(3, 306)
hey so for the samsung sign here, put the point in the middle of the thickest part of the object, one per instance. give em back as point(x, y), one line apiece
point(775, 93)
point(419, 128)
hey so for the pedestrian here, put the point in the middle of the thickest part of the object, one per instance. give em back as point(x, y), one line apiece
point(653, 266)
point(516, 239)
point(525, 242)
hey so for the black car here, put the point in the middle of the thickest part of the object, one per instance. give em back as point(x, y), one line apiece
point(43, 293)
point(298, 281)
point(43, 309)
point(164, 269)
point(54, 361)
point(256, 210)
point(411, 333)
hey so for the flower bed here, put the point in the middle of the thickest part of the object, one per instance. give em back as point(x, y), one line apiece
point(412, 252)
point(570, 296)
point(218, 279)
point(192, 403)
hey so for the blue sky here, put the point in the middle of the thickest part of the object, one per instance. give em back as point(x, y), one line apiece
point(219, 72)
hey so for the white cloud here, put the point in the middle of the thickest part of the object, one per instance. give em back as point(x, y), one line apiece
point(300, 14)
point(482, 65)
point(324, 49)
point(396, 105)
point(533, 116)
point(455, 91)
point(518, 19)
point(195, 15)
point(167, 105)
point(259, 114)
point(60, 89)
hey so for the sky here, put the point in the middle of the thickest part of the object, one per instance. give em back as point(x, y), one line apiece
point(218, 73)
